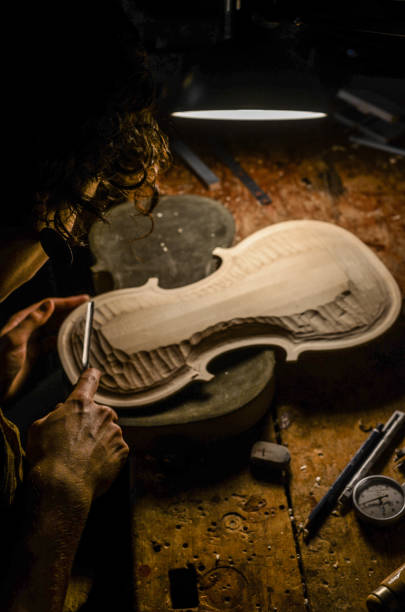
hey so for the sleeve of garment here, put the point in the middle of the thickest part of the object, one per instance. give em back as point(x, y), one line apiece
point(11, 476)
point(11, 460)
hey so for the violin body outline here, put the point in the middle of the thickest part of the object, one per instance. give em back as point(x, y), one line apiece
point(298, 285)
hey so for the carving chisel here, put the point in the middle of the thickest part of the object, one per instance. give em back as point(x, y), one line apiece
point(87, 335)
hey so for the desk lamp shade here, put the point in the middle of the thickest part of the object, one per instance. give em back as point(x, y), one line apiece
point(251, 95)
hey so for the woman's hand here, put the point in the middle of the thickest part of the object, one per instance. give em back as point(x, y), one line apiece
point(77, 450)
point(26, 335)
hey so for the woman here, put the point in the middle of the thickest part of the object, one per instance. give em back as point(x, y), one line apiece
point(83, 137)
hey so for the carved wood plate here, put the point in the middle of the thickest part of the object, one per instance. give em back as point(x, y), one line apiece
point(299, 285)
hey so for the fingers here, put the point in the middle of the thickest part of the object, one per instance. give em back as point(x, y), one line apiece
point(72, 300)
point(124, 448)
point(107, 416)
point(35, 319)
point(114, 416)
point(38, 314)
point(87, 385)
point(24, 322)
point(63, 307)
point(121, 446)
point(17, 318)
point(123, 452)
point(69, 303)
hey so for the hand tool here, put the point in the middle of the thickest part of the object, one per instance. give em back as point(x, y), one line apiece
point(389, 432)
point(87, 335)
point(204, 173)
point(390, 594)
point(242, 175)
point(400, 459)
point(329, 500)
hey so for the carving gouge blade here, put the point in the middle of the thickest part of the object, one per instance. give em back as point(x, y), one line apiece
point(87, 335)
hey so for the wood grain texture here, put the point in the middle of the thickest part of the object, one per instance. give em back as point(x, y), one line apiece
point(325, 412)
point(310, 173)
point(299, 285)
point(236, 534)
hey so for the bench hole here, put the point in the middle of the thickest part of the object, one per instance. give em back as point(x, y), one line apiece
point(183, 587)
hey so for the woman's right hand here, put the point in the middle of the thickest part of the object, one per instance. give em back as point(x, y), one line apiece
point(78, 447)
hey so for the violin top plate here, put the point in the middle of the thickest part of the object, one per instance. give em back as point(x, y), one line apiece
point(300, 285)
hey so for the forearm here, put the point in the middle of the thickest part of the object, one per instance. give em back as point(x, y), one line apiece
point(51, 527)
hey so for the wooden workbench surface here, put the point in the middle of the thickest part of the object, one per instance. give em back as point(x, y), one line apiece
point(198, 506)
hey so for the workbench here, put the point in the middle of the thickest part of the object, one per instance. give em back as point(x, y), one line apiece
point(200, 508)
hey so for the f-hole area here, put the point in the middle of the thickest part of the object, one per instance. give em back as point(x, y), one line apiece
point(183, 587)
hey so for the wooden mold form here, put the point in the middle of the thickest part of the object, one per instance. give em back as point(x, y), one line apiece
point(299, 285)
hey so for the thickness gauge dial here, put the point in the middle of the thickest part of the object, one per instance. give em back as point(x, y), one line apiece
point(379, 500)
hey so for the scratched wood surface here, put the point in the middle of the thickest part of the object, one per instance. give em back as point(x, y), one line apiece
point(326, 407)
point(234, 531)
point(323, 407)
point(311, 171)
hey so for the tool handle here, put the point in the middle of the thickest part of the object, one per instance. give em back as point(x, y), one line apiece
point(330, 498)
point(390, 430)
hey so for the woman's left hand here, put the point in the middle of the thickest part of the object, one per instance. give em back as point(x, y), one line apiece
point(26, 335)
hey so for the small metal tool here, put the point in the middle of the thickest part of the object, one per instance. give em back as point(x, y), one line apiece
point(204, 173)
point(389, 432)
point(390, 594)
point(241, 174)
point(87, 335)
point(399, 459)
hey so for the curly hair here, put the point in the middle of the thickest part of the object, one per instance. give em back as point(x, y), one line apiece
point(89, 116)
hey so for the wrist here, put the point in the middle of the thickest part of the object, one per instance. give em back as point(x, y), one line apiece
point(53, 517)
point(57, 487)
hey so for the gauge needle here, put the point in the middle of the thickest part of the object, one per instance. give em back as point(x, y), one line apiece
point(379, 498)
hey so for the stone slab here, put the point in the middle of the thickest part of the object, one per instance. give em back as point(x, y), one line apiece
point(187, 228)
point(178, 251)
point(234, 400)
